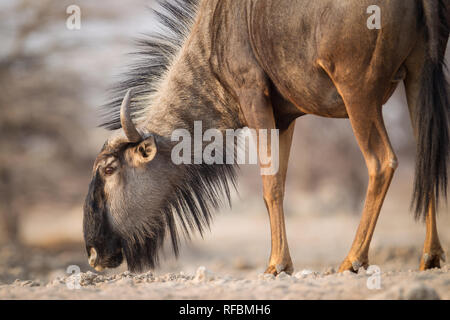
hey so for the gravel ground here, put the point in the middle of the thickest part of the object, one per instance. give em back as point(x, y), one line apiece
point(235, 255)
point(204, 284)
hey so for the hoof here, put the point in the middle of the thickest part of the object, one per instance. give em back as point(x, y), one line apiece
point(432, 260)
point(277, 269)
point(353, 266)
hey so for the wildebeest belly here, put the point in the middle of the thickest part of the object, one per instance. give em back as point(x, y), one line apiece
point(317, 95)
point(284, 36)
point(290, 39)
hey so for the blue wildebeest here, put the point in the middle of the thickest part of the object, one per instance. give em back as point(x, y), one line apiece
point(262, 64)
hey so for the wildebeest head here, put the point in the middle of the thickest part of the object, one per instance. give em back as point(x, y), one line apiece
point(137, 193)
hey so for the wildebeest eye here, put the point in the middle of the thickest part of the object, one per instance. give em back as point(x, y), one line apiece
point(109, 170)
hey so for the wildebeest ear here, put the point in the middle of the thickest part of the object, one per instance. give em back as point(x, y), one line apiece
point(146, 150)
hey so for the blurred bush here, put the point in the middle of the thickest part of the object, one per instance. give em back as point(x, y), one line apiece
point(41, 107)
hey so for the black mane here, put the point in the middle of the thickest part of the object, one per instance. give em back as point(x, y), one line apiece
point(188, 208)
point(154, 55)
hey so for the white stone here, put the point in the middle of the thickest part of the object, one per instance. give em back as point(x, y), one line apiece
point(203, 275)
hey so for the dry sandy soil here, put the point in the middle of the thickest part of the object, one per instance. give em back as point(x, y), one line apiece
point(207, 285)
point(234, 254)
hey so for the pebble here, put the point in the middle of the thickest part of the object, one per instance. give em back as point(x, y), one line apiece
point(283, 275)
point(304, 274)
point(203, 275)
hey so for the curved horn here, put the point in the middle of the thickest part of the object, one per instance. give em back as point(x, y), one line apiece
point(125, 119)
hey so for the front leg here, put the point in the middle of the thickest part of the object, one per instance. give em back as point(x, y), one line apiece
point(258, 112)
point(273, 189)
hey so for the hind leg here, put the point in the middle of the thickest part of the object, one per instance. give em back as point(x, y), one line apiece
point(364, 108)
point(432, 249)
point(381, 162)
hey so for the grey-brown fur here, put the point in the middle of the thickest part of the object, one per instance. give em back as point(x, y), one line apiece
point(262, 64)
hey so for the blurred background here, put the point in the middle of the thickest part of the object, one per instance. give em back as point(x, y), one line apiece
point(52, 80)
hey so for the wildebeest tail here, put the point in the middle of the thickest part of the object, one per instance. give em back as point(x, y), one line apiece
point(433, 111)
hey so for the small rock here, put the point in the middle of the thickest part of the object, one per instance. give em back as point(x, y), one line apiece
point(283, 275)
point(305, 274)
point(203, 275)
point(302, 274)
